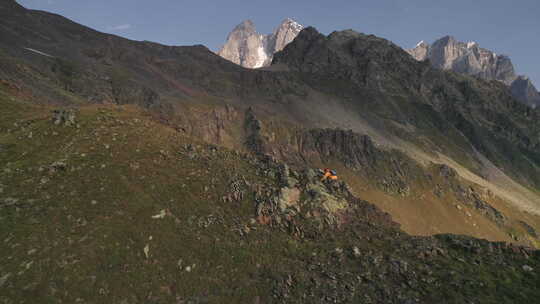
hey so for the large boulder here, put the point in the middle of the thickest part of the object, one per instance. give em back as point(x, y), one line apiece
point(320, 197)
point(288, 198)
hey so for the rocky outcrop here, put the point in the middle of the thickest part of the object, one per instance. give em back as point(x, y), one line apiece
point(354, 150)
point(64, 117)
point(255, 141)
point(469, 58)
point(523, 89)
point(390, 170)
point(246, 47)
point(213, 126)
point(472, 196)
point(303, 195)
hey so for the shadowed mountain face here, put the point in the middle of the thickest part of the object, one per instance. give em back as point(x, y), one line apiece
point(383, 79)
point(203, 153)
point(449, 54)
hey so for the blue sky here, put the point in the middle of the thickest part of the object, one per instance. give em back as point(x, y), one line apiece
point(504, 26)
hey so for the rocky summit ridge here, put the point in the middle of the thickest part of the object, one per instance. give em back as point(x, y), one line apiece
point(246, 47)
point(469, 58)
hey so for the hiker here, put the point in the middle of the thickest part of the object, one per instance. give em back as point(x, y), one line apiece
point(329, 175)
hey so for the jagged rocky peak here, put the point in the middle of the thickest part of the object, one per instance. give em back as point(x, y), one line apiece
point(244, 46)
point(469, 58)
point(285, 33)
point(420, 52)
point(250, 49)
point(450, 54)
point(246, 27)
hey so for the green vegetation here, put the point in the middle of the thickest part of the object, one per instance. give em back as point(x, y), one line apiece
point(79, 205)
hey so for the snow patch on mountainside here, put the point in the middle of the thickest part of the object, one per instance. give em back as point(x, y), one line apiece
point(261, 59)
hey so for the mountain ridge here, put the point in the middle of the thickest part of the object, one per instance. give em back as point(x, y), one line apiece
point(450, 54)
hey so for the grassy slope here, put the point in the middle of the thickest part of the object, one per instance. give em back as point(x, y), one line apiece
point(86, 227)
point(78, 235)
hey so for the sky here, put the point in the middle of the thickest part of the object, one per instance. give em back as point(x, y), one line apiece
point(506, 27)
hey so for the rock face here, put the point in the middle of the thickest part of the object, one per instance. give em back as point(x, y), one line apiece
point(351, 64)
point(449, 54)
point(252, 50)
point(523, 89)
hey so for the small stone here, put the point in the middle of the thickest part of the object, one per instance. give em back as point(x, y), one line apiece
point(29, 264)
point(147, 251)
point(94, 202)
point(188, 269)
point(527, 268)
point(356, 252)
point(65, 117)
point(4, 279)
point(160, 215)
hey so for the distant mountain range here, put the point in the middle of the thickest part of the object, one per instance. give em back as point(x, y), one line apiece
point(469, 58)
point(246, 47)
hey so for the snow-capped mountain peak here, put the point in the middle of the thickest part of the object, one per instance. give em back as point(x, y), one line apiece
point(250, 49)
